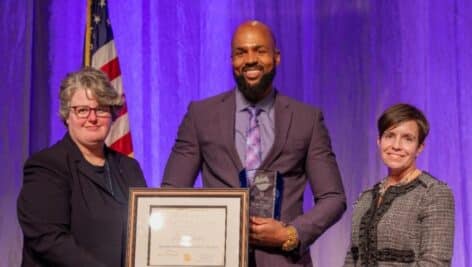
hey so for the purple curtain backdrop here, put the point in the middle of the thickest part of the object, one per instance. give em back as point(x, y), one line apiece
point(351, 58)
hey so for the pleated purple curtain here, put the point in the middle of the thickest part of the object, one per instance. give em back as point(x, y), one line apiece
point(350, 58)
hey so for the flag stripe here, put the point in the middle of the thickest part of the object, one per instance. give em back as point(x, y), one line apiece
point(117, 84)
point(123, 145)
point(112, 68)
point(104, 54)
point(119, 126)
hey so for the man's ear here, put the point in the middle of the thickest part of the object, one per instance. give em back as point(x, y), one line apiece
point(277, 57)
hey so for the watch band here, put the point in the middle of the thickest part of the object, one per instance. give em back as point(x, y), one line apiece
point(292, 241)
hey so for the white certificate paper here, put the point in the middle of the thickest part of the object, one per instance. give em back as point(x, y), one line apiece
point(190, 236)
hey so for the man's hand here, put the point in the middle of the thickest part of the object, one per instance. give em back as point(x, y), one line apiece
point(267, 232)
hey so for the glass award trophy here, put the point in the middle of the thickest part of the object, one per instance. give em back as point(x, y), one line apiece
point(265, 192)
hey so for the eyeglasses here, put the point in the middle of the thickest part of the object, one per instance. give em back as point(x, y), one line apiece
point(83, 112)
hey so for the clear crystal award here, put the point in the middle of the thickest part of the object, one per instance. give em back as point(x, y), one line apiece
point(265, 192)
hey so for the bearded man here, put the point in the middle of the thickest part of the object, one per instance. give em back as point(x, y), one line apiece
point(255, 126)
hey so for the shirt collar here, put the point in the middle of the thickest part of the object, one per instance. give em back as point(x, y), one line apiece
point(265, 104)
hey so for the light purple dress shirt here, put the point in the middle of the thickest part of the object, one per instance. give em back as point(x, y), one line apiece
point(266, 124)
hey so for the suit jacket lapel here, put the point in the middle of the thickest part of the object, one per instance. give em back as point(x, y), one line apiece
point(283, 119)
point(227, 121)
point(78, 161)
point(118, 175)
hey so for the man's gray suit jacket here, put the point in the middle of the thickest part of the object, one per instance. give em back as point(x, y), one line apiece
point(301, 153)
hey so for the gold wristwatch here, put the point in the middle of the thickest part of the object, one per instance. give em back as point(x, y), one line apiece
point(292, 241)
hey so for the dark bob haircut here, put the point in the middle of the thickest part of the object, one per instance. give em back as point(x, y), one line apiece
point(399, 113)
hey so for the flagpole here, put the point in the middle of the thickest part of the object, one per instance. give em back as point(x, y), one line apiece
point(88, 35)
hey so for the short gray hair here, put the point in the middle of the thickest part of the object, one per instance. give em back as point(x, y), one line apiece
point(93, 81)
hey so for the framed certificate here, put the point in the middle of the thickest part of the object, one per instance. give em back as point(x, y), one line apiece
point(187, 227)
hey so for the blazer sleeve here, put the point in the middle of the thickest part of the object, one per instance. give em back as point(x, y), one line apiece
point(44, 216)
point(325, 181)
point(437, 227)
point(139, 179)
point(185, 159)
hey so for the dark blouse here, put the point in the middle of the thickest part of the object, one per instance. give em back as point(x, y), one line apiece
point(105, 174)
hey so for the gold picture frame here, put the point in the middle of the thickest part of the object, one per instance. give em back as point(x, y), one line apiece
point(187, 227)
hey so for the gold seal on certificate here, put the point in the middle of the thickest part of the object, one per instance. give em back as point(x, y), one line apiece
point(265, 192)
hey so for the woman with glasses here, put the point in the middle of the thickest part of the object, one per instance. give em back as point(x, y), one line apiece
point(73, 205)
point(407, 219)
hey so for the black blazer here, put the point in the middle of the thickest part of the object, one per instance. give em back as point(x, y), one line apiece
point(68, 215)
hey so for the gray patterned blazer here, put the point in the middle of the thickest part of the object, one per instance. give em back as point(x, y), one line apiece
point(413, 226)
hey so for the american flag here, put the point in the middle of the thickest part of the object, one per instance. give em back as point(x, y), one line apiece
point(100, 53)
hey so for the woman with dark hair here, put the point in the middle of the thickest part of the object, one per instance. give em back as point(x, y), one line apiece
point(407, 219)
point(73, 205)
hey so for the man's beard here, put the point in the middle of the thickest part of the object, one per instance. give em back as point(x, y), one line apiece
point(255, 93)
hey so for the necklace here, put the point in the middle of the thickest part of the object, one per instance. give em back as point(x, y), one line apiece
point(406, 179)
point(385, 184)
point(108, 177)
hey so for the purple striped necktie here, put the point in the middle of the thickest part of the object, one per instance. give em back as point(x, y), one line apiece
point(253, 140)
